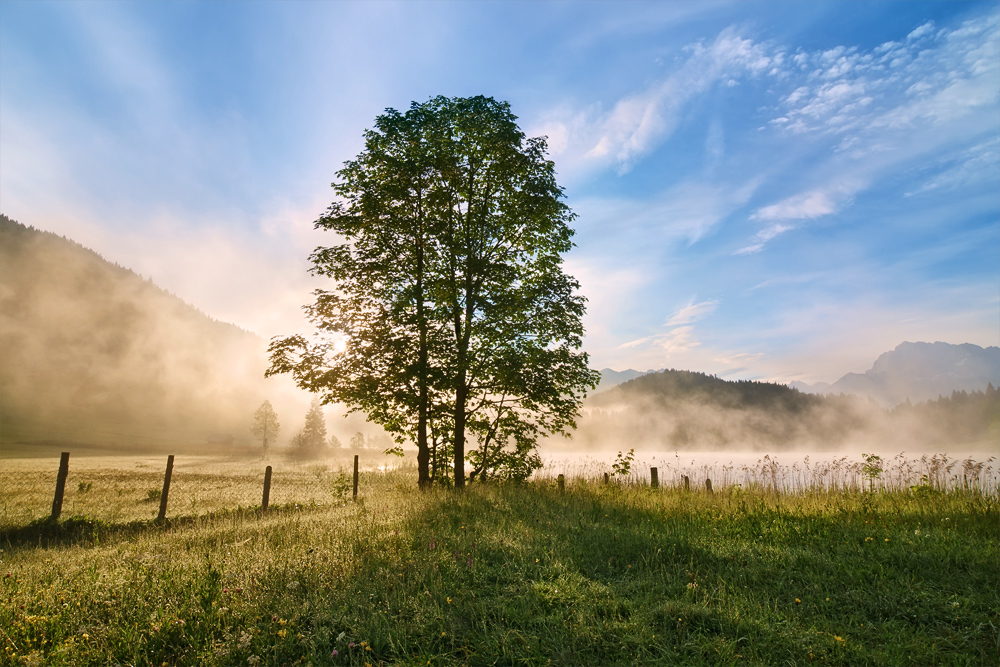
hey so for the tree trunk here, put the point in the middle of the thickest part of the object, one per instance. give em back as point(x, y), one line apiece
point(461, 392)
point(423, 452)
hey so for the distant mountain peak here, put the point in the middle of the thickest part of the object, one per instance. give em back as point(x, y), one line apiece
point(919, 371)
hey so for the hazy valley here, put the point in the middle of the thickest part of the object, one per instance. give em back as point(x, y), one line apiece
point(98, 356)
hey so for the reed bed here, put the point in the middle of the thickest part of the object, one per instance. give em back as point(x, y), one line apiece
point(768, 473)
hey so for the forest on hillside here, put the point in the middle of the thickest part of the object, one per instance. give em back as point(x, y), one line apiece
point(687, 410)
point(93, 352)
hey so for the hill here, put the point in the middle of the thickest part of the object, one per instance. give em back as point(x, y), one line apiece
point(612, 378)
point(94, 353)
point(686, 410)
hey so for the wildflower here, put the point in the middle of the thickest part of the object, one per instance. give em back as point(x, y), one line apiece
point(292, 585)
point(350, 645)
point(887, 539)
point(333, 653)
point(282, 632)
point(432, 545)
point(449, 600)
point(798, 601)
point(839, 639)
point(253, 660)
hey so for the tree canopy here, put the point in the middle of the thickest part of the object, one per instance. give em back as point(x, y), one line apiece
point(265, 425)
point(450, 321)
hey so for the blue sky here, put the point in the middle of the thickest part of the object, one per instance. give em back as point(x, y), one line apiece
point(774, 190)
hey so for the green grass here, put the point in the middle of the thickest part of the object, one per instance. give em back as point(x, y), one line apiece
point(513, 575)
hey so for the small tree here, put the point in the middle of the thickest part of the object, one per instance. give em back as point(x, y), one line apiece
point(265, 425)
point(312, 439)
point(358, 440)
point(335, 442)
point(872, 468)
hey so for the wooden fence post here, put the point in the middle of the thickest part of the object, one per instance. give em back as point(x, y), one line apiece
point(561, 481)
point(708, 485)
point(60, 485)
point(654, 478)
point(607, 478)
point(267, 489)
point(355, 496)
point(166, 488)
point(687, 483)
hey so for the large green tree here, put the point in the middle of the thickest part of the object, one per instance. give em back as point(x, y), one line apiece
point(450, 318)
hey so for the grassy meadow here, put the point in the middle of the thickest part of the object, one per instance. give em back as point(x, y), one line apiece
point(501, 574)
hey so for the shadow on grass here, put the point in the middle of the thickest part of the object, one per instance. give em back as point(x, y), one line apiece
point(86, 531)
point(600, 576)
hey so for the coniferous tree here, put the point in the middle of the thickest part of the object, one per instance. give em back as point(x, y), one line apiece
point(313, 436)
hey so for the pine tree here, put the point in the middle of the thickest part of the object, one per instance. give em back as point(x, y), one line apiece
point(313, 436)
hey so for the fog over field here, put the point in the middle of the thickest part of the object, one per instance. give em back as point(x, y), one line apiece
point(98, 356)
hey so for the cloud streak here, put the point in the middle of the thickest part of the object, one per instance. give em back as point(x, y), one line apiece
point(593, 139)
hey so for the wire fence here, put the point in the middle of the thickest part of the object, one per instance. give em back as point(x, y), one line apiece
point(122, 489)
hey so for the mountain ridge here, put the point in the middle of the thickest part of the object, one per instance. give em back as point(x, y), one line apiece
point(918, 371)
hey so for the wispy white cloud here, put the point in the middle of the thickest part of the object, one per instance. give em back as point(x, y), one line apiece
point(593, 138)
point(676, 340)
point(684, 213)
point(799, 207)
point(976, 166)
point(692, 312)
point(785, 215)
point(761, 238)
